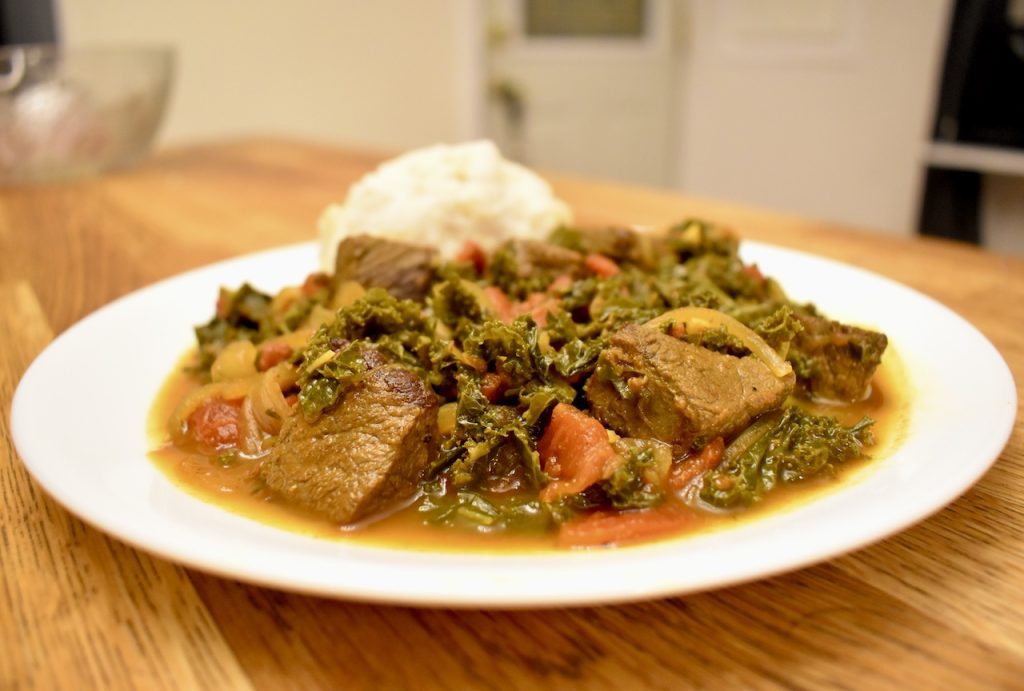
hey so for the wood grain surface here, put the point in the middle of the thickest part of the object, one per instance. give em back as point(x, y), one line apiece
point(938, 606)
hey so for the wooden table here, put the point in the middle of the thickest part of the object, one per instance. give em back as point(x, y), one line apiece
point(940, 605)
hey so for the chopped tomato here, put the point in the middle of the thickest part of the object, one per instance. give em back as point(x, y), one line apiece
point(271, 354)
point(560, 284)
point(493, 385)
point(291, 399)
point(537, 305)
point(222, 304)
point(618, 527)
point(695, 466)
point(474, 254)
point(532, 300)
point(315, 282)
point(500, 302)
point(601, 265)
point(754, 272)
point(575, 451)
point(214, 424)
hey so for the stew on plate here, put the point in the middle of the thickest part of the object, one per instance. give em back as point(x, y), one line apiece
point(602, 387)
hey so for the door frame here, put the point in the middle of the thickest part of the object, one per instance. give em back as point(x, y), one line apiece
point(471, 51)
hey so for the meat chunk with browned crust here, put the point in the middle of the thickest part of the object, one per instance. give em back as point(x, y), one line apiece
point(402, 269)
point(650, 385)
point(362, 457)
point(835, 361)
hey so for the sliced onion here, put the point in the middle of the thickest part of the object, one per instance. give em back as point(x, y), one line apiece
point(250, 438)
point(269, 408)
point(748, 437)
point(699, 319)
point(285, 374)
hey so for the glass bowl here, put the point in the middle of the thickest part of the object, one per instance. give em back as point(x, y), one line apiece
point(69, 112)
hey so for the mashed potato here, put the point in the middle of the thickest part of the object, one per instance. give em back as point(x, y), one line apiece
point(443, 195)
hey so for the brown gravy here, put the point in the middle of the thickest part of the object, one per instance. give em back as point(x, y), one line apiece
point(235, 488)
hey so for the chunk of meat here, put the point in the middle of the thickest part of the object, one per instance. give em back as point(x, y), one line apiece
point(624, 245)
point(836, 361)
point(534, 255)
point(402, 269)
point(615, 242)
point(364, 456)
point(651, 385)
point(575, 451)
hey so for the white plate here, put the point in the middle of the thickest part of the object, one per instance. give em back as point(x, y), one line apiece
point(79, 423)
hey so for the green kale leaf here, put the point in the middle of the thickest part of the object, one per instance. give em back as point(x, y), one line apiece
point(786, 447)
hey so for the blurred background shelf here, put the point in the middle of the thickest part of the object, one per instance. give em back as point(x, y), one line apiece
point(975, 157)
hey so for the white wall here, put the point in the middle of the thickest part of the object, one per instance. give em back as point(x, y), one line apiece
point(381, 73)
point(819, 107)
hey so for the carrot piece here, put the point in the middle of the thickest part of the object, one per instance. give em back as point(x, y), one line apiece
point(695, 466)
point(618, 527)
point(574, 450)
point(601, 265)
point(271, 354)
point(472, 253)
point(214, 424)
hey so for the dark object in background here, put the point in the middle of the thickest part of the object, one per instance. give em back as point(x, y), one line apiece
point(27, 21)
point(981, 102)
point(951, 205)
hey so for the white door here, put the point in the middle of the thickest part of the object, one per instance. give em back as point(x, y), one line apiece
point(584, 86)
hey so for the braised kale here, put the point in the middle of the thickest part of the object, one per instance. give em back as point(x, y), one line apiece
point(248, 314)
point(466, 508)
point(336, 355)
point(240, 316)
point(783, 448)
point(639, 481)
